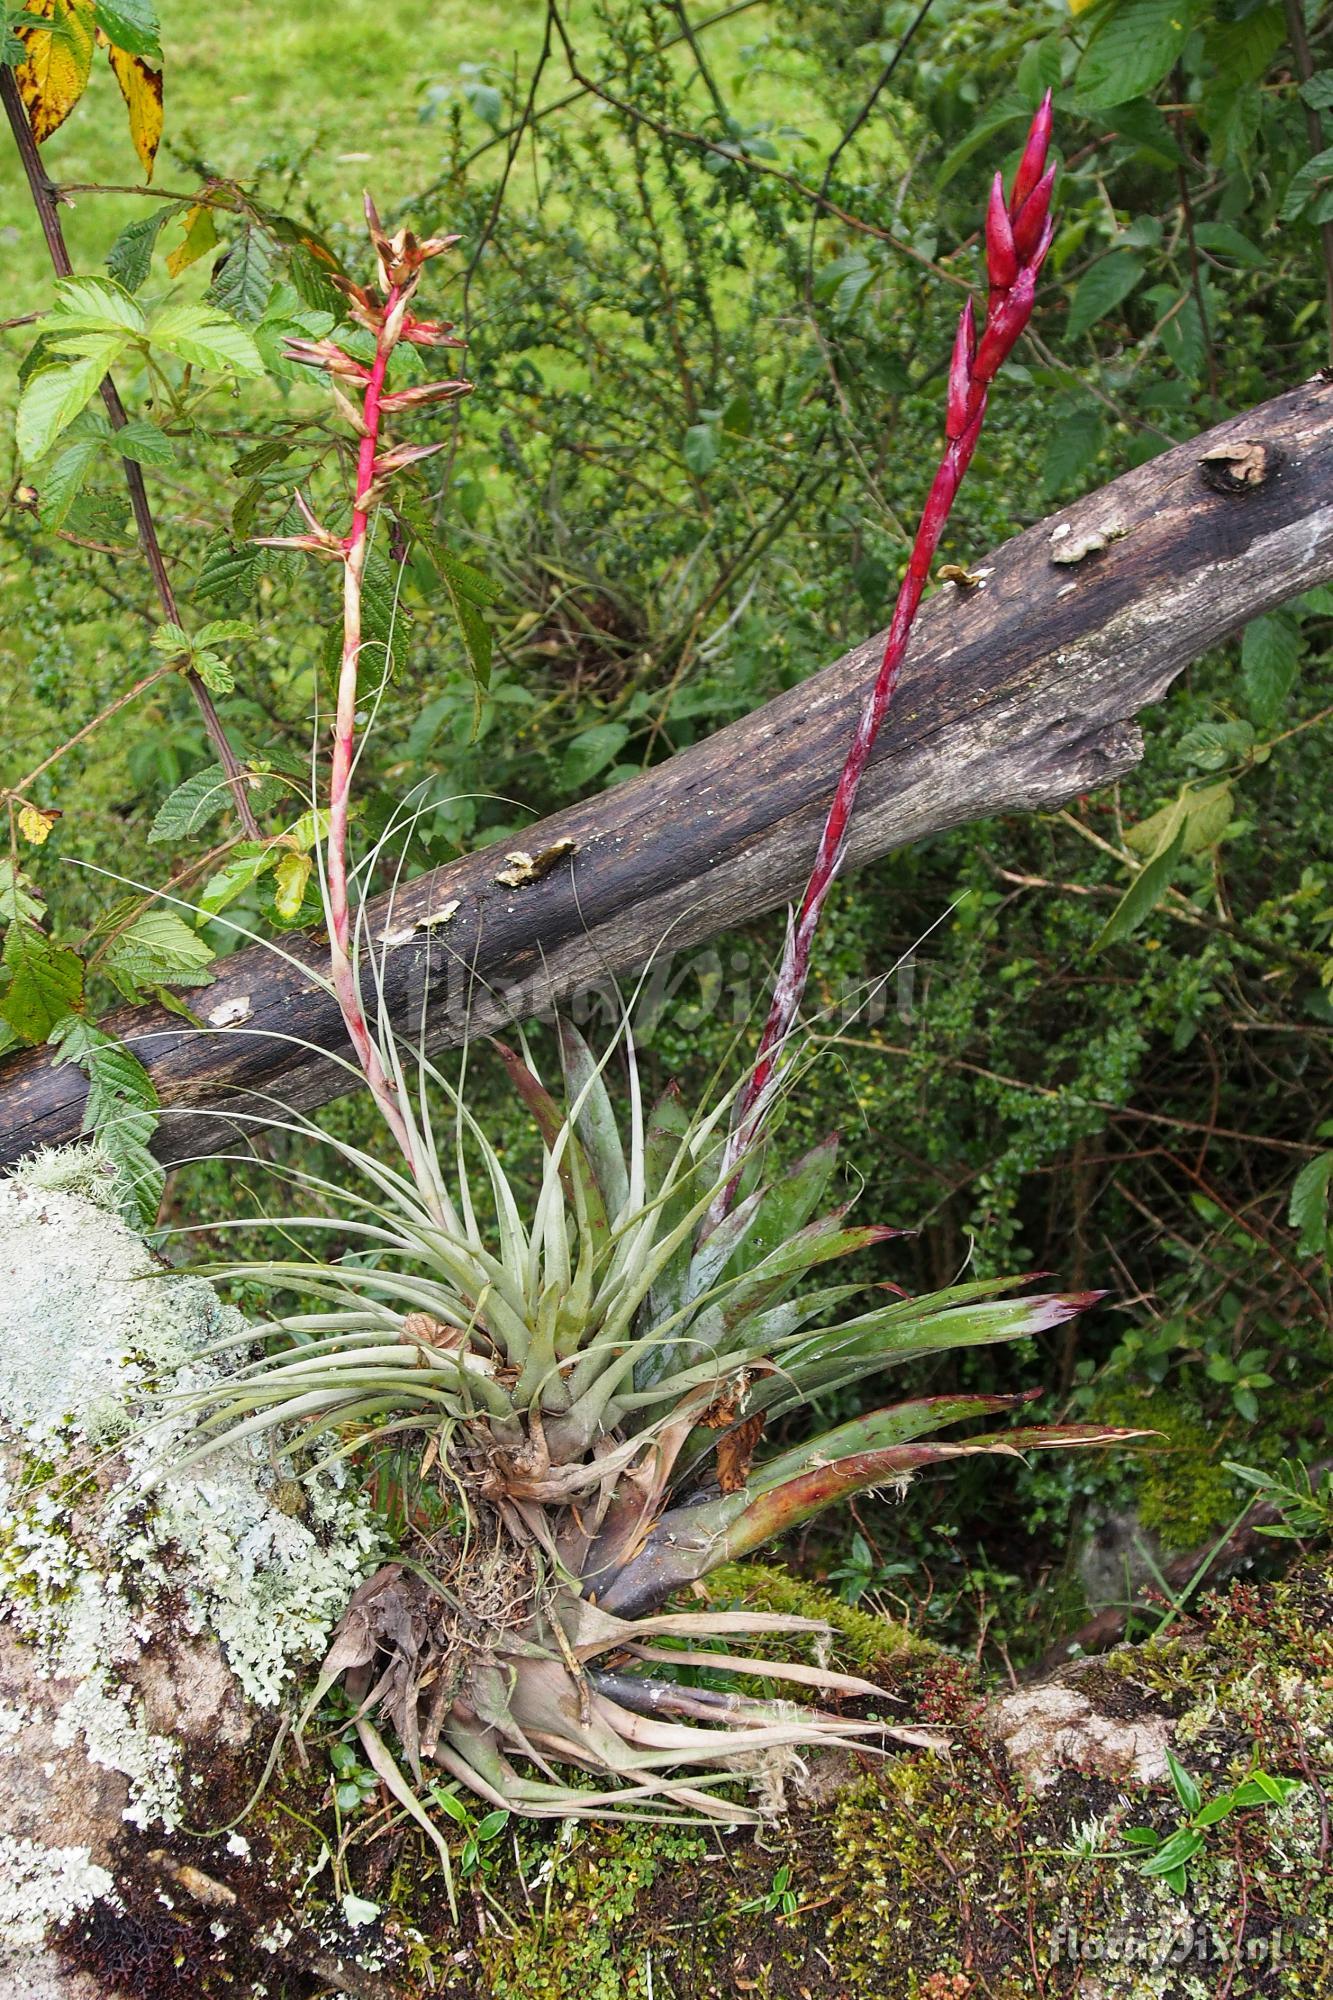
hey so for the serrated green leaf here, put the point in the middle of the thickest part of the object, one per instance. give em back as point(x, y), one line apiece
point(1102, 289)
point(146, 443)
point(1270, 653)
point(242, 867)
point(1308, 1208)
point(1143, 894)
point(223, 631)
point(227, 571)
point(191, 805)
point(131, 25)
point(592, 750)
point(1308, 185)
point(1225, 240)
point(1072, 448)
point(158, 948)
point(204, 339)
point(92, 305)
point(978, 132)
point(1211, 745)
point(130, 257)
point(17, 900)
point(1130, 51)
point(61, 483)
point(216, 673)
point(244, 278)
point(1317, 90)
point(312, 283)
point(45, 983)
point(170, 639)
point(54, 395)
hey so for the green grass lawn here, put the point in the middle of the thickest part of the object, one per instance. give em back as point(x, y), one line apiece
point(251, 85)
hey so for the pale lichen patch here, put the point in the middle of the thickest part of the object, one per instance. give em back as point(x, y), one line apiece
point(41, 1886)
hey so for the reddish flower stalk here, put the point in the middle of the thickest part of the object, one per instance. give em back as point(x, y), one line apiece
point(1018, 235)
point(401, 259)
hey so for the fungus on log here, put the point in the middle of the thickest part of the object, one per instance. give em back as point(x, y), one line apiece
point(1019, 692)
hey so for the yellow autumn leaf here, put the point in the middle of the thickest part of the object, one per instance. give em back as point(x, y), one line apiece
point(55, 75)
point(1077, 7)
point(35, 825)
point(291, 875)
point(199, 238)
point(141, 88)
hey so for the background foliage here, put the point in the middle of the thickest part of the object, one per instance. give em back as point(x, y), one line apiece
point(709, 265)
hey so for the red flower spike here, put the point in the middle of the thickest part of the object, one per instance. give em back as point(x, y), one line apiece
point(1010, 315)
point(960, 373)
point(1001, 256)
point(1033, 163)
point(1018, 235)
point(1031, 217)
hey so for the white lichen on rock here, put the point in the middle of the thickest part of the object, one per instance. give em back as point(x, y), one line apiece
point(41, 1886)
point(103, 1572)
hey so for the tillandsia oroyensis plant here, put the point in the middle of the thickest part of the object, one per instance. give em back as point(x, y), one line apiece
point(580, 1374)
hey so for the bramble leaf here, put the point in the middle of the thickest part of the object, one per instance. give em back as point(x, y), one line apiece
point(1143, 894)
point(131, 25)
point(46, 982)
point(1308, 1207)
point(91, 305)
point(244, 277)
point(141, 87)
point(55, 75)
point(191, 805)
point(54, 394)
point(205, 339)
point(1130, 51)
point(158, 949)
point(243, 866)
point(130, 257)
point(1102, 289)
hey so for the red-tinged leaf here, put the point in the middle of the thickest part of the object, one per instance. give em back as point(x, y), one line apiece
point(878, 1430)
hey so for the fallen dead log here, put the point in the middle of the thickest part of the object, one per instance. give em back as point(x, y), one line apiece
point(1019, 692)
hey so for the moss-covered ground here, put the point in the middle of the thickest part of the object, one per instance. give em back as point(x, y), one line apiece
point(925, 1876)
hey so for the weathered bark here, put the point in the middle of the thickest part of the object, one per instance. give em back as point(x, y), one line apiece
point(1018, 693)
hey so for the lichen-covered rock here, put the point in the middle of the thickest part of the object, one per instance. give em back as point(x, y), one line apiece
point(147, 1620)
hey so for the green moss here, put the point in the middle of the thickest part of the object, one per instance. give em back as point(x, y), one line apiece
point(1182, 1492)
point(860, 1640)
point(584, 1944)
point(939, 1875)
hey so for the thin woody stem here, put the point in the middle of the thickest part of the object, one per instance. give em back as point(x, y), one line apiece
point(44, 201)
